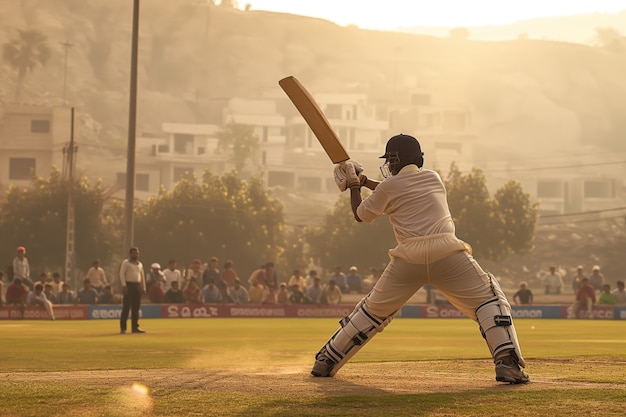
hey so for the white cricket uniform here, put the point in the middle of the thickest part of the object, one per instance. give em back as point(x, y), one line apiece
point(428, 250)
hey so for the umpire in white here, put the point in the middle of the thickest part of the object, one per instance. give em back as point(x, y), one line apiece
point(133, 282)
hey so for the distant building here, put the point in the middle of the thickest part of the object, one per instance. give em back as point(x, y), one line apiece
point(32, 139)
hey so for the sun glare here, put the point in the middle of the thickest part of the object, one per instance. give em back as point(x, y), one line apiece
point(391, 14)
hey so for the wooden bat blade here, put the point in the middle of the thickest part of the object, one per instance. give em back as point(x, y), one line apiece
point(315, 118)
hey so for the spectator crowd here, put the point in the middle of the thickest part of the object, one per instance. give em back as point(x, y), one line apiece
point(198, 283)
point(588, 291)
point(212, 283)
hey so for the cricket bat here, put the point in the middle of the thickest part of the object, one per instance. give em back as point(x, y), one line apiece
point(315, 118)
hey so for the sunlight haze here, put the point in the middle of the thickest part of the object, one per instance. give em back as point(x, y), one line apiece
point(392, 14)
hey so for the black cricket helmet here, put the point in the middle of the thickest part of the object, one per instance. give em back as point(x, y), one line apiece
point(401, 150)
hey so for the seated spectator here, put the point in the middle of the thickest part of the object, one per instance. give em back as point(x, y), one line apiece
point(211, 293)
point(585, 299)
point(229, 275)
point(238, 294)
point(297, 279)
point(156, 294)
point(314, 294)
point(607, 297)
point(259, 277)
point(108, 297)
point(174, 295)
point(43, 280)
point(155, 275)
point(97, 277)
point(332, 293)
point(65, 296)
point(87, 295)
point(339, 278)
point(296, 296)
point(620, 293)
point(523, 296)
point(37, 298)
point(282, 297)
point(194, 271)
point(57, 284)
point(257, 292)
point(47, 291)
point(192, 291)
point(16, 293)
point(354, 280)
point(309, 279)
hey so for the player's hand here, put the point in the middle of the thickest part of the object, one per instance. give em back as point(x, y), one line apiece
point(340, 177)
point(352, 177)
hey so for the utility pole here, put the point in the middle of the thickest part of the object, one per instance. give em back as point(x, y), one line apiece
point(132, 121)
point(70, 242)
point(66, 45)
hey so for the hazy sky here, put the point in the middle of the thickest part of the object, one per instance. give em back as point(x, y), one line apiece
point(390, 14)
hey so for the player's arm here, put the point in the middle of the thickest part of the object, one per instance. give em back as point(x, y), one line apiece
point(355, 201)
point(369, 183)
point(354, 183)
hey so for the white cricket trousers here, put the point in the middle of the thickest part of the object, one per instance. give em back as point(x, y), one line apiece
point(457, 276)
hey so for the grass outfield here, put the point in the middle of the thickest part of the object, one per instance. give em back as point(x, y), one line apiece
point(242, 367)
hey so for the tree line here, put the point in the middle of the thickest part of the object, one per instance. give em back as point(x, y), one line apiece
point(238, 218)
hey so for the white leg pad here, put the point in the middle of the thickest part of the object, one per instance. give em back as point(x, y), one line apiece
point(496, 325)
point(356, 330)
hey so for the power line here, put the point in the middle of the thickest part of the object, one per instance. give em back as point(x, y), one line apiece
point(555, 167)
point(584, 213)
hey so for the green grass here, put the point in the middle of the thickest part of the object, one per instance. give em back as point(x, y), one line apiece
point(43, 364)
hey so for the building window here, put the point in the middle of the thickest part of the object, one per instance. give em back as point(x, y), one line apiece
point(183, 143)
point(310, 184)
point(142, 182)
point(281, 179)
point(21, 168)
point(549, 189)
point(599, 189)
point(40, 126)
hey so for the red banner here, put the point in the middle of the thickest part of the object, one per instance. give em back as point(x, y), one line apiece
point(61, 312)
point(231, 310)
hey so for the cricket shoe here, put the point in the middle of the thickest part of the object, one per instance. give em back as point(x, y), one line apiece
point(511, 373)
point(323, 365)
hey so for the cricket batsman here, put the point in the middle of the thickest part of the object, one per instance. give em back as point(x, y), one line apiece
point(428, 251)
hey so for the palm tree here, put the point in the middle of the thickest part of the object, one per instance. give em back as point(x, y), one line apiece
point(24, 53)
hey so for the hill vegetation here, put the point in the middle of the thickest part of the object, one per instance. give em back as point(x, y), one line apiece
point(193, 56)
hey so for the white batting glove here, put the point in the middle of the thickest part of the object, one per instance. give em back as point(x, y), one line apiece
point(341, 175)
point(352, 177)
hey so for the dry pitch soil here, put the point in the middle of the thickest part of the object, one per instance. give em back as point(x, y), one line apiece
point(357, 378)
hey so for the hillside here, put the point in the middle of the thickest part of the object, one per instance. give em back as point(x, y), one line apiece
point(576, 28)
point(549, 94)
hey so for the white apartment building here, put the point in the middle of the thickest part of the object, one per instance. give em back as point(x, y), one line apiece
point(32, 139)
